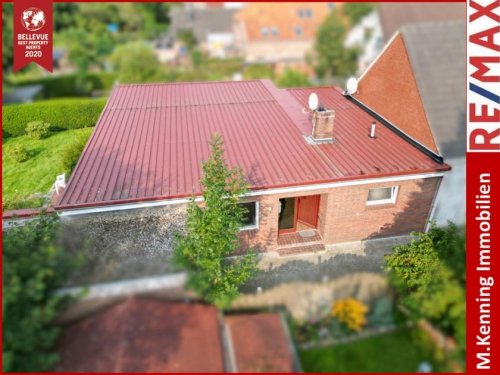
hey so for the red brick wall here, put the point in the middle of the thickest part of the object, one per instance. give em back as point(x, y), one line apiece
point(344, 215)
point(390, 89)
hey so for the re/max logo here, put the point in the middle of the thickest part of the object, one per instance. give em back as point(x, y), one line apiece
point(483, 76)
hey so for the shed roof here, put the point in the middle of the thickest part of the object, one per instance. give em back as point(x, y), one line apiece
point(144, 336)
point(395, 15)
point(151, 139)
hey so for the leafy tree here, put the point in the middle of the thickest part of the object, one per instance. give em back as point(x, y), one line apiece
point(187, 38)
point(356, 11)
point(212, 233)
point(293, 78)
point(428, 286)
point(332, 57)
point(136, 62)
point(34, 266)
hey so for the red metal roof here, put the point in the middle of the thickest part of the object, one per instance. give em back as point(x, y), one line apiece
point(151, 139)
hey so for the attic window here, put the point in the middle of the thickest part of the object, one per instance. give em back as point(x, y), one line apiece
point(251, 216)
point(382, 195)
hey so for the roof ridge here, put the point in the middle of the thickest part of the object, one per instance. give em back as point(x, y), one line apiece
point(186, 83)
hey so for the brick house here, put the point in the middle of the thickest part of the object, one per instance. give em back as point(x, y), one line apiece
point(277, 33)
point(337, 174)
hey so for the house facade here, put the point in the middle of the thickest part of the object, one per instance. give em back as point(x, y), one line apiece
point(279, 34)
point(332, 174)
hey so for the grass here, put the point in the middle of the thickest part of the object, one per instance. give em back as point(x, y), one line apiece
point(397, 351)
point(36, 175)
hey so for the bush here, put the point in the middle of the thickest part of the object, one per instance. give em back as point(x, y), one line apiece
point(350, 312)
point(20, 153)
point(72, 152)
point(69, 85)
point(35, 265)
point(38, 129)
point(61, 113)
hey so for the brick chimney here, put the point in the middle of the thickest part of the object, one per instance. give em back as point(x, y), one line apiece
point(323, 120)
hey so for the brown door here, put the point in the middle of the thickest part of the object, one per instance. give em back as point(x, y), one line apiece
point(308, 208)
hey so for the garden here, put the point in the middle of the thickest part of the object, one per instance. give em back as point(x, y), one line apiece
point(40, 141)
point(420, 326)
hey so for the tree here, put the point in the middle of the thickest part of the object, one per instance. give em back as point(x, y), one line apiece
point(426, 283)
point(212, 233)
point(356, 11)
point(34, 266)
point(332, 57)
point(293, 78)
point(136, 62)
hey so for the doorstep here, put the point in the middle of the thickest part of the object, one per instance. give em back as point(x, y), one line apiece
point(308, 241)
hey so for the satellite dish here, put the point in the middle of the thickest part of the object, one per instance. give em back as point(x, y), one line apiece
point(352, 85)
point(313, 101)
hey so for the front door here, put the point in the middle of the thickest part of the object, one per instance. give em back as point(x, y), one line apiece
point(308, 208)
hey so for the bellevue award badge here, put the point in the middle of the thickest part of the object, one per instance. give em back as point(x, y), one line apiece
point(33, 41)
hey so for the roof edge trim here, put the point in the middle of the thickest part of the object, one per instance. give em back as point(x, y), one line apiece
point(291, 189)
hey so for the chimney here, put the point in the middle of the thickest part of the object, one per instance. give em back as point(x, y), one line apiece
point(323, 120)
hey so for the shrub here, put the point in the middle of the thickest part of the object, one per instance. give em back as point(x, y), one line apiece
point(38, 129)
point(72, 152)
point(61, 113)
point(35, 265)
point(20, 153)
point(350, 312)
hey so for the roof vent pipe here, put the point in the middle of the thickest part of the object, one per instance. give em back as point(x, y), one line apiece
point(372, 130)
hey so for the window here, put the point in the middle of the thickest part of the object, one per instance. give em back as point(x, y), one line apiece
point(298, 31)
point(251, 216)
point(331, 6)
point(264, 31)
point(382, 195)
point(309, 13)
point(274, 31)
point(301, 13)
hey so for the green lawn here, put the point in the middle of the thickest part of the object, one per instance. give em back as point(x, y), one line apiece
point(392, 352)
point(36, 175)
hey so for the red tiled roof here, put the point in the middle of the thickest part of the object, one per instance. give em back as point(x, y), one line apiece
point(151, 139)
point(259, 343)
point(144, 336)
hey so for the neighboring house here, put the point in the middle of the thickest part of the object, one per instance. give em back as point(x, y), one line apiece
point(212, 27)
point(147, 335)
point(421, 75)
point(278, 33)
point(316, 178)
point(377, 28)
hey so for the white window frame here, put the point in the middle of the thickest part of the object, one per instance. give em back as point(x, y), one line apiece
point(391, 200)
point(257, 212)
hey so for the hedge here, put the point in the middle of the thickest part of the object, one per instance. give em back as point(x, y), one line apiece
point(67, 85)
point(62, 114)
